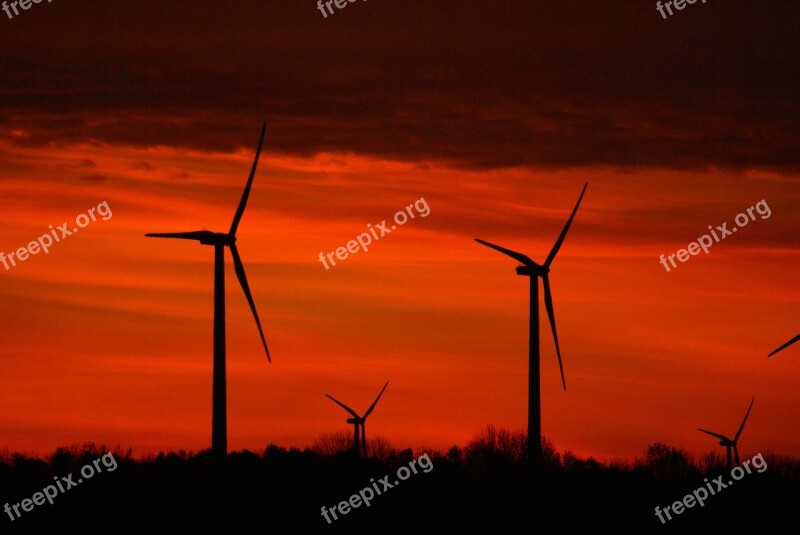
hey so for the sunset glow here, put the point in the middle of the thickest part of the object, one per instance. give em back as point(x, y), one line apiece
point(108, 336)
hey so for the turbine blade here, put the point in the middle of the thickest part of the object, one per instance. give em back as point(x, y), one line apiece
point(741, 427)
point(560, 239)
point(195, 235)
point(371, 407)
point(548, 303)
point(513, 254)
point(239, 267)
point(787, 344)
point(243, 202)
point(342, 405)
point(721, 437)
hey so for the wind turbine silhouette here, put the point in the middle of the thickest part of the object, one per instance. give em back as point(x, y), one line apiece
point(220, 240)
point(787, 344)
point(534, 271)
point(731, 443)
point(359, 421)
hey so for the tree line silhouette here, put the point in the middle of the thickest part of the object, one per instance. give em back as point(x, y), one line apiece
point(485, 486)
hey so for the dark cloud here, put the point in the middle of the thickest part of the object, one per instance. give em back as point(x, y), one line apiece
point(480, 85)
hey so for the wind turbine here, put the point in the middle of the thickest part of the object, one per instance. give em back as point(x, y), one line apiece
point(220, 240)
point(534, 271)
point(731, 443)
point(787, 344)
point(359, 421)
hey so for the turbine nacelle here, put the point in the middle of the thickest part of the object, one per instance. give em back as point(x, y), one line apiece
point(219, 238)
point(532, 270)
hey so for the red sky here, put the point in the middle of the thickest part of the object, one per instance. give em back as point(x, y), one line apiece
point(496, 116)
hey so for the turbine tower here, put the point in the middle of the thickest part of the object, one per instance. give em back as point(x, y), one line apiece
point(359, 421)
point(220, 240)
point(787, 344)
point(534, 271)
point(731, 443)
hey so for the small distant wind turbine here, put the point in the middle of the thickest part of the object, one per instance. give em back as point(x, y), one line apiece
point(787, 344)
point(731, 443)
point(220, 240)
point(359, 421)
point(534, 271)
